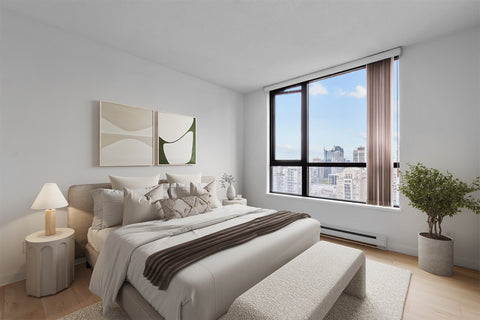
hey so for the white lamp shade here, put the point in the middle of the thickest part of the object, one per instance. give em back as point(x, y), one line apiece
point(50, 197)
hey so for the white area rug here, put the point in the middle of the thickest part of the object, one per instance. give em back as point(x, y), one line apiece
point(94, 312)
point(387, 288)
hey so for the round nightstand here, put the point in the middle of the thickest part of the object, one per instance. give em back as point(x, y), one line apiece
point(227, 202)
point(50, 261)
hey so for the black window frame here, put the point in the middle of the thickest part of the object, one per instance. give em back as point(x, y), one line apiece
point(303, 163)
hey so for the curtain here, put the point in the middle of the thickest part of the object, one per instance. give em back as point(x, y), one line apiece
point(379, 131)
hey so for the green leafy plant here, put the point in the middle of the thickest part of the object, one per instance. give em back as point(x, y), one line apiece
point(227, 179)
point(437, 194)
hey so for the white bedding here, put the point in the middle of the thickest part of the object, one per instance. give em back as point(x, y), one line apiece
point(97, 238)
point(205, 289)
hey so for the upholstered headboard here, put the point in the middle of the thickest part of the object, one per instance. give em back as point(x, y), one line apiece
point(80, 210)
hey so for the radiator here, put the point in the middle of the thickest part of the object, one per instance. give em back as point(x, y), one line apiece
point(377, 240)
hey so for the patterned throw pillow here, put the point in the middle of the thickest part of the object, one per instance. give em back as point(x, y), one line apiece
point(186, 206)
point(198, 189)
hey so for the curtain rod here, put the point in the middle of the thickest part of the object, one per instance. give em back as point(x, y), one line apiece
point(342, 67)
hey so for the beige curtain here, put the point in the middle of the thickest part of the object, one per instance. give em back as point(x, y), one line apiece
point(379, 140)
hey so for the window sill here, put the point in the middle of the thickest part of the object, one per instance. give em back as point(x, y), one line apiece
point(341, 203)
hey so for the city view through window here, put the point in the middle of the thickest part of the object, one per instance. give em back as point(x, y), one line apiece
point(337, 133)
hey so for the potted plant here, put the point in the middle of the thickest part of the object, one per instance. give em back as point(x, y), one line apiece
point(438, 195)
point(227, 181)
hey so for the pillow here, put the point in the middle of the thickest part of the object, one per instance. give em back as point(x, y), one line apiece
point(118, 183)
point(158, 192)
point(185, 207)
point(137, 208)
point(108, 207)
point(197, 189)
point(184, 178)
point(178, 190)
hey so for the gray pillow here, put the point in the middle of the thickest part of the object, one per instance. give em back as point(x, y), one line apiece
point(108, 207)
point(137, 208)
point(186, 206)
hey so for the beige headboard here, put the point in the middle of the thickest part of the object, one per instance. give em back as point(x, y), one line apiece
point(80, 210)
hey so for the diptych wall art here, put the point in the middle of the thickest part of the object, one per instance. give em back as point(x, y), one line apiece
point(126, 135)
point(176, 138)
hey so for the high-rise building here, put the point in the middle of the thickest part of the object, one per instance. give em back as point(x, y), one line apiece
point(316, 173)
point(395, 191)
point(332, 178)
point(287, 180)
point(359, 154)
point(333, 155)
point(351, 184)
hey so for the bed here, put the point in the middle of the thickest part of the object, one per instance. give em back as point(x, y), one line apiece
point(203, 290)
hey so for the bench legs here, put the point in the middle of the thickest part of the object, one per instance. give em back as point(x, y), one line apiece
point(357, 286)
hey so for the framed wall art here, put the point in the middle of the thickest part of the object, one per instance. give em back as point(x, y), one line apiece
point(126, 135)
point(177, 136)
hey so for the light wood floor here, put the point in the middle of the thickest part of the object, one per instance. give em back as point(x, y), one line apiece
point(429, 296)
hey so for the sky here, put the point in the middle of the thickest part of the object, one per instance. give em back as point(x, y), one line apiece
point(337, 116)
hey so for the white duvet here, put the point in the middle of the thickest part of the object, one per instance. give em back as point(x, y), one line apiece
point(205, 289)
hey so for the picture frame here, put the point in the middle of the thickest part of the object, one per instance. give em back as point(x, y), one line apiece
point(176, 139)
point(126, 135)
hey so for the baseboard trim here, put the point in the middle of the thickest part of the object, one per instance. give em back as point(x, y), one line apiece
point(458, 261)
point(11, 278)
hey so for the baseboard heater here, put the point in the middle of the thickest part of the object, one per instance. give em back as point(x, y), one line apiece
point(380, 241)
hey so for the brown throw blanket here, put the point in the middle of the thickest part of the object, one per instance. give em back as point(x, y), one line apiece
point(161, 266)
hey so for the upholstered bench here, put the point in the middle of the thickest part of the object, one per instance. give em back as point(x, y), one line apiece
point(306, 287)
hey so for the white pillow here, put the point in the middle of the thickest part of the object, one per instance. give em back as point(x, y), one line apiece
point(137, 208)
point(108, 207)
point(198, 189)
point(184, 178)
point(118, 183)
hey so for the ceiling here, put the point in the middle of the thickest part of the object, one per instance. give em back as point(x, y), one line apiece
point(245, 45)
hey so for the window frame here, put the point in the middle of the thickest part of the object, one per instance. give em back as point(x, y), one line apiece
point(303, 163)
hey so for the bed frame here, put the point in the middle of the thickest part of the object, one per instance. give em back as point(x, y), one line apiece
point(80, 216)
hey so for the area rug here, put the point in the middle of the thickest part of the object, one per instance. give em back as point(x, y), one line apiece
point(387, 288)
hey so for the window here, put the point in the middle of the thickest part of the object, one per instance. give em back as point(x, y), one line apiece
point(318, 132)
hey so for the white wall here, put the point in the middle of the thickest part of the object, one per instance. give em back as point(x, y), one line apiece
point(439, 113)
point(51, 84)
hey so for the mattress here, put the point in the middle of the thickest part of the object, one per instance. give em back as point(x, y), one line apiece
point(97, 238)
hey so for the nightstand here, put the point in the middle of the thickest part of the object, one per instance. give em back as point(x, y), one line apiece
point(50, 261)
point(227, 202)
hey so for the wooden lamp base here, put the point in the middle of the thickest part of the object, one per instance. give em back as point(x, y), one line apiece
point(50, 228)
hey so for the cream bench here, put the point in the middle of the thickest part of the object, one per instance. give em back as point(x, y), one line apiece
point(306, 287)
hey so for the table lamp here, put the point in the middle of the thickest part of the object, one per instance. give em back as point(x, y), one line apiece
point(49, 198)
